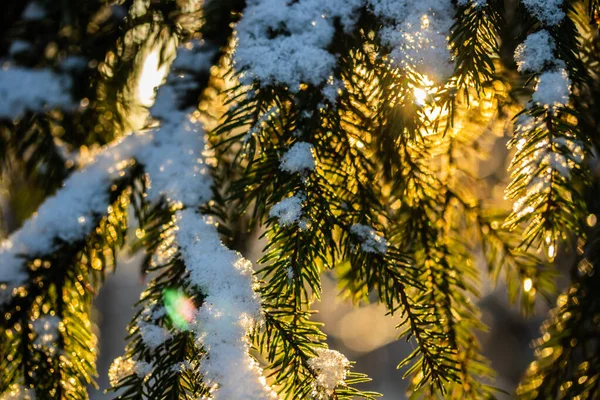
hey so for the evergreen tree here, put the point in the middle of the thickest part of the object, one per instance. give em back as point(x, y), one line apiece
point(348, 132)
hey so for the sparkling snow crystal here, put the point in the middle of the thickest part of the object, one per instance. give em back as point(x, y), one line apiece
point(288, 210)
point(299, 158)
point(553, 88)
point(548, 12)
point(371, 242)
point(122, 367)
point(286, 42)
point(536, 52)
point(331, 367)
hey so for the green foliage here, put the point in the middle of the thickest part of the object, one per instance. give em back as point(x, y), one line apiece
point(400, 166)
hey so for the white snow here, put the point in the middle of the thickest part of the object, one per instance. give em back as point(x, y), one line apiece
point(418, 34)
point(174, 162)
point(549, 12)
point(23, 89)
point(299, 158)
point(34, 11)
point(152, 335)
point(19, 46)
point(230, 309)
point(68, 215)
point(283, 42)
point(553, 88)
point(177, 168)
point(371, 242)
point(331, 368)
point(288, 210)
point(536, 52)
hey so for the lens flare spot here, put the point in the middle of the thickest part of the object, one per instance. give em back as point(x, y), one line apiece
point(179, 307)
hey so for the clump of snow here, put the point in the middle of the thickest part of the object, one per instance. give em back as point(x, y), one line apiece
point(230, 309)
point(34, 11)
point(23, 89)
point(553, 88)
point(371, 242)
point(19, 46)
point(299, 158)
point(331, 368)
point(152, 335)
point(418, 34)
point(122, 367)
point(289, 210)
point(69, 214)
point(282, 42)
point(549, 12)
point(536, 52)
point(332, 90)
point(46, 330)
point(174, 162)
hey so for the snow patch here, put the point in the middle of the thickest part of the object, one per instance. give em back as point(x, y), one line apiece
point(418, 34)
point(548, 12)
point(23, 89)
point(536, 52)
point(283, 42)
point(299, 158)
point(289, 210)
point(230, 310)
point(371, 242)
point(553, 88)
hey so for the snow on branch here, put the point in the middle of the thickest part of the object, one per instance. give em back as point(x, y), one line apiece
point(417, 33)
point(176, 167)
point(548, 12)
point(23, 89)
point(230, 309)
point(68, 215)
point(370, 241)
point(282, 42)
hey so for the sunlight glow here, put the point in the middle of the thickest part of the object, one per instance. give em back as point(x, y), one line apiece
point(420, 96)
point(151, 76)
point(527, 285)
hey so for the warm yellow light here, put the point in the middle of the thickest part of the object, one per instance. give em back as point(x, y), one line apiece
point(420, 96)
point(151, 76)
point(527, 284)
point(551, 251)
